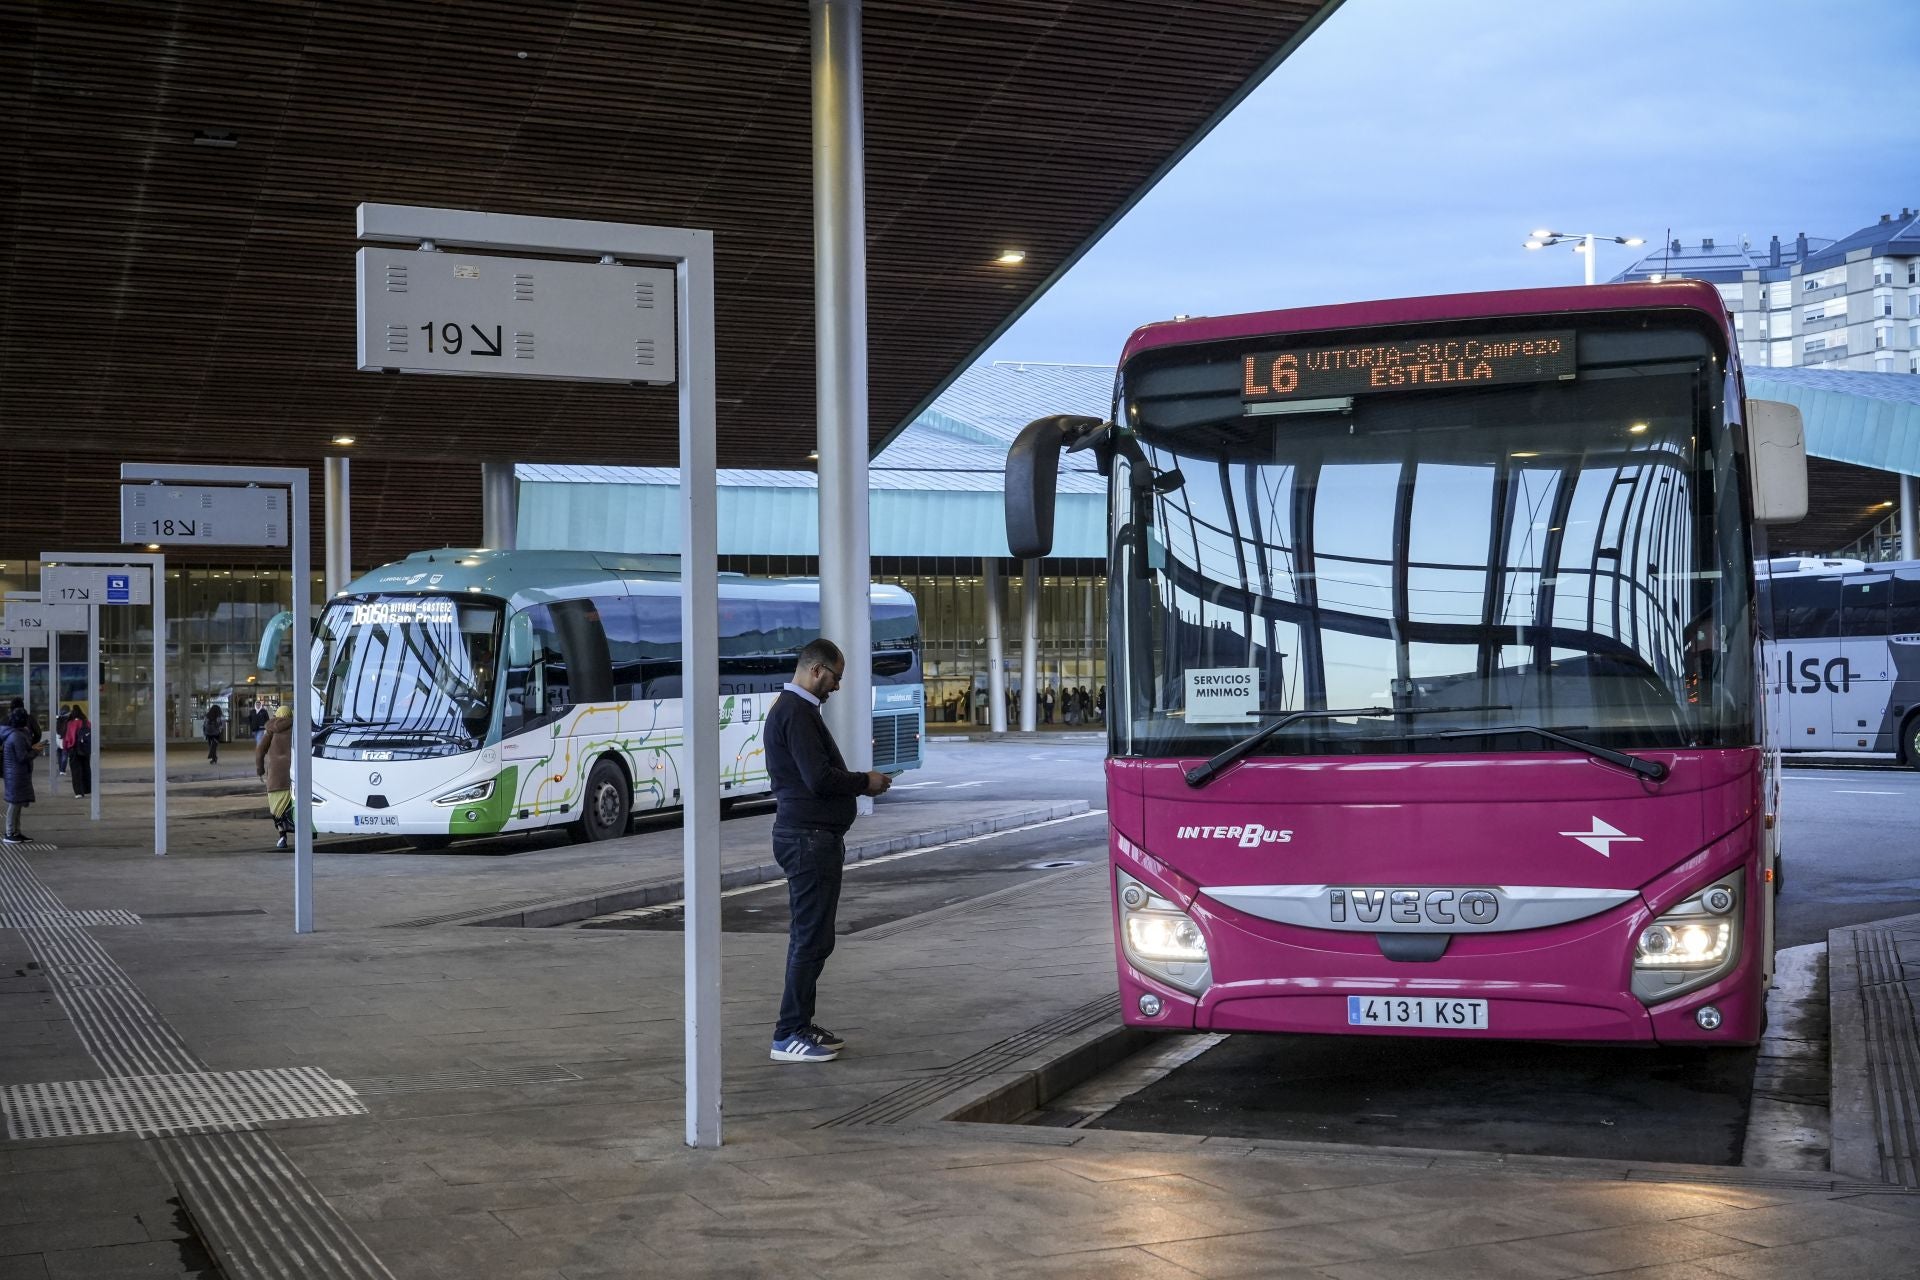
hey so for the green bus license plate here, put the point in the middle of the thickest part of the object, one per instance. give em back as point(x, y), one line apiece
point(1411, 1011)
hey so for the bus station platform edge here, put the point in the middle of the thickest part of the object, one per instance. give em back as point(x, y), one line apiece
point(192, 1089)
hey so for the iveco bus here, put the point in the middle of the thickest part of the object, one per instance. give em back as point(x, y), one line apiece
point(461, 693)
point(1434, 666)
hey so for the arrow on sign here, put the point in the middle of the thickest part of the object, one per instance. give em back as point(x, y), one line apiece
point(494, 344)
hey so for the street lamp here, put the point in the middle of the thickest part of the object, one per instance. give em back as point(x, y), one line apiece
point(1548, 239)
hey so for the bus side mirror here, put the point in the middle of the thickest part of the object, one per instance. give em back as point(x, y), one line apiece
point(520, 640)
point(277, 628)
point(1033, 473)
point(1777, 461)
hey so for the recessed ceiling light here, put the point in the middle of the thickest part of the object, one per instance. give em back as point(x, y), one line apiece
point(343, 440)
point(215, 138)
point(153, 546)
point(1637, 427)
point(1011, 257)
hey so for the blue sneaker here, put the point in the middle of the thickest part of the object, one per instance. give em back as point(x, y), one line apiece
point(801, 1047)
point(823, 1037)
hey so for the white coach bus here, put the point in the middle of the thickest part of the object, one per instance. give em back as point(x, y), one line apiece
point(471, 692)
point(1843, 660)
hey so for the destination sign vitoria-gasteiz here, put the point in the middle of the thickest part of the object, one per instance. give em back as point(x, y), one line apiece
point(1308, 373)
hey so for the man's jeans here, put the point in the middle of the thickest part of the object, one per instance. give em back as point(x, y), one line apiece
point(812, 859)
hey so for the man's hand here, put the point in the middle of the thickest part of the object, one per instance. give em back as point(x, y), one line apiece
point(877, 783)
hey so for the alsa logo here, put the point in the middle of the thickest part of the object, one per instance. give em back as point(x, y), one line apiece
point(1249, 836)
point(1813, 676)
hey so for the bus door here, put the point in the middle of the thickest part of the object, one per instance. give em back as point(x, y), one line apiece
point(1862, 682)
point(1808, 610)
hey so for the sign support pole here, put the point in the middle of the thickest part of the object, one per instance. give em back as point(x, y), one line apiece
point(690, 252)
point(156, 565)
point(295, 479)
point(53, 698)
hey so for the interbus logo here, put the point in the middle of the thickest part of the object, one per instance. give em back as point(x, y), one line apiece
point(1248, 835)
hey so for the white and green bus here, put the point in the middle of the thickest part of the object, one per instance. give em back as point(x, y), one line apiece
point(471, 692)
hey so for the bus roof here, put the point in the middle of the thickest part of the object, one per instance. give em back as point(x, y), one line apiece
point(529, 577)
point(1691, 295)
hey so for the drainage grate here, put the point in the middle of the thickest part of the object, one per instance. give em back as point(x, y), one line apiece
point(894, 1107)
point(476, 1078)
point(42, 919)
point(200, 1101)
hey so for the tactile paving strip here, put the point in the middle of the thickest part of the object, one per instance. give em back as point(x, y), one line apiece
point(64, 919)
point(189, 1102)
point(1895, 1049)
point(261, 1218)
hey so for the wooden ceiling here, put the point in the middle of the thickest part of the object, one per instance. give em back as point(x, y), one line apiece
point(165, 299)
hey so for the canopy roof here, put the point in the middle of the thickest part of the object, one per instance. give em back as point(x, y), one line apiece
point(177, 213)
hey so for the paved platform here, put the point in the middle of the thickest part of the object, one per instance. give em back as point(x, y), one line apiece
point(399, 1094)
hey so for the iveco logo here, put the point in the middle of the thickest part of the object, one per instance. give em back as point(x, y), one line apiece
point(373, 779)
point(1413, 906)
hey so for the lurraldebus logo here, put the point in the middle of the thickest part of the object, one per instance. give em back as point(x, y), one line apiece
point(1249, 835)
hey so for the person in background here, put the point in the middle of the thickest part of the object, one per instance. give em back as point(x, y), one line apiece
point(19, 708)
point(214, 727)
point(273, 761)
point(19, 744)
point(257, 722)
point(60, 736)
point(77, 743)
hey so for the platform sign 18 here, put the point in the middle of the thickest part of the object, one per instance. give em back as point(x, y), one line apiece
point(210, 516)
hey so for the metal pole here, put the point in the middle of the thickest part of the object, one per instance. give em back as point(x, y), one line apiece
point(1906, 518)
point(94, 708)
point(1029, 646)
point(160, 706)
point(700, 693)
point(1586, 247)
point(996, 656)
point(499, 506)
point(53, 696)
point(339, 531)
point(302, 772)
point(840, 363)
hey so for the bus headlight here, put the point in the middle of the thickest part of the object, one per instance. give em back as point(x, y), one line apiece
point(467, 795)
point(1161, 939)
point(1691, 944)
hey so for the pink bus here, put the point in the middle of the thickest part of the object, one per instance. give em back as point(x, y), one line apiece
point(1436, 706)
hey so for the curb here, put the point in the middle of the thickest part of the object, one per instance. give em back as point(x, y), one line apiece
point(1875, 1091)
point(552, 912)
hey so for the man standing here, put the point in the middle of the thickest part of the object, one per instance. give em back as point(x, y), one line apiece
point(813, 792)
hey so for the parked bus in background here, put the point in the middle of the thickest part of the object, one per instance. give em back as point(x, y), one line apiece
point(470, 692)
point(1435, 698)
point(1843, 661)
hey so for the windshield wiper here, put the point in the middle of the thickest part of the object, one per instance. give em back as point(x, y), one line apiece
point(1201, 775)
point(1653, 770)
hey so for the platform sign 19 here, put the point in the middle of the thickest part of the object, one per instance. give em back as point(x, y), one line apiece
point(93, 584)
point(209, 516)
point(429, 311)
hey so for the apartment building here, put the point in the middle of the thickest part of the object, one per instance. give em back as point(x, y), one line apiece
point(1852, 303)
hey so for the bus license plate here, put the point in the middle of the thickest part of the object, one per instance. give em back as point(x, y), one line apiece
point(1410, 1011)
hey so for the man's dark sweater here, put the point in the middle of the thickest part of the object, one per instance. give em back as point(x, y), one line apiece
point(812, 786)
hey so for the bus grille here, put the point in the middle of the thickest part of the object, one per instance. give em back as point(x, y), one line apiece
point(895, 739)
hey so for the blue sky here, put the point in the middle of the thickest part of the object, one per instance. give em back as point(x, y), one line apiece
point(1409, 146)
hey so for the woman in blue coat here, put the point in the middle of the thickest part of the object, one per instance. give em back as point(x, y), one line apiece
point(17, 750)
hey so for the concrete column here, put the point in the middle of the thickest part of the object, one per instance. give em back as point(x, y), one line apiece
point(1906, 518)
point(339, 533)
point(996, 653)
point(840, 367)
point(499, 506)
point(1030, 648)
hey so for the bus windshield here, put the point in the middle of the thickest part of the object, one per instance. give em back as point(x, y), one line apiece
point(408, 674)
point(1567, 554)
